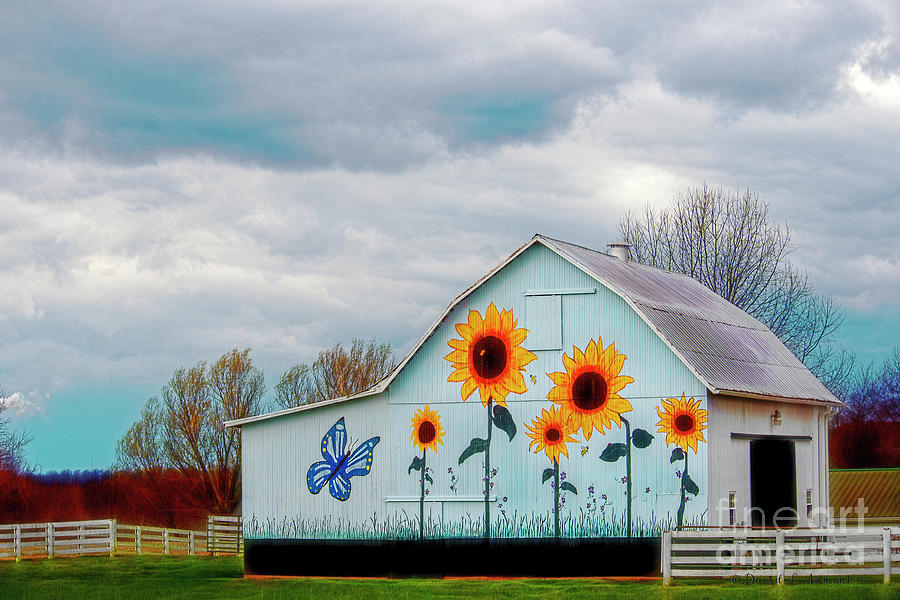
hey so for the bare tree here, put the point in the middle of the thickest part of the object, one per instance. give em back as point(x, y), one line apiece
point(725, 240)
point(866, 431)
point(874, 394)
point(185, 429)
point(12, 443)
point(336, 372)
point(296, 387)
point(142, 446)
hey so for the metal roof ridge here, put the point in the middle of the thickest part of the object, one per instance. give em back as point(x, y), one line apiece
point(630, 262)
point(762, 326)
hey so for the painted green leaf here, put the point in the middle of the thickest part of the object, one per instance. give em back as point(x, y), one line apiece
point(613, 452)
point(475, 446)
point(677, 454)
point(641, 438)
point(689, 486)
point(503, 420)
point(565, 485)
point(548, 473)
point(416, 465)
point(428, 478)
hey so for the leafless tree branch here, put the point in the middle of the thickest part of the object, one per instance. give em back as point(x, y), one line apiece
point(725, 240)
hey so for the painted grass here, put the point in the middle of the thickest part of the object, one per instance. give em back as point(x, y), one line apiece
point(403, 526)
point(137, 578)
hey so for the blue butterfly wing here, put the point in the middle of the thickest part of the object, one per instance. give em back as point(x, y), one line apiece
point(358, 463)
point(360, 460)
point(339, 486)
point(334, 444)
point(318, 475)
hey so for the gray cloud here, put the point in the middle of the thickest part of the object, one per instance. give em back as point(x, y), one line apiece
point(197, 177)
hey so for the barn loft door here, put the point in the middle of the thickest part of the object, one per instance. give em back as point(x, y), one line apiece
point(544, 318)
point(773, 483)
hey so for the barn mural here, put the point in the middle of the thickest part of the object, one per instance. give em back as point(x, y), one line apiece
point(568, 394)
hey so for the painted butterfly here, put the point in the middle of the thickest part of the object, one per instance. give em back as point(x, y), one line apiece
point(341, 463)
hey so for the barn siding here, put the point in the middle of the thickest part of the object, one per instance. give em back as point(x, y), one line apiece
point(658, 373)
point(729, 461)
point(277, 452)
point(562, 306)
point(276, 455)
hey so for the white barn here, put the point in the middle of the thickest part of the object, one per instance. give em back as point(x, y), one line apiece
point(568, 395)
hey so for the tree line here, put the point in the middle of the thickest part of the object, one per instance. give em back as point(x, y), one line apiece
point(183, 428)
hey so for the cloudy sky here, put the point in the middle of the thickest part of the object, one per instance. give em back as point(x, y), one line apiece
point(177, 179)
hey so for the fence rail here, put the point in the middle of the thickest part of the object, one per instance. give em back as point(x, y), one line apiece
point(225, 534)
point(780, 554)
point(106, 536)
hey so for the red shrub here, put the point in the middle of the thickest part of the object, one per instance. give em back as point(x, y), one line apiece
point(166, 498)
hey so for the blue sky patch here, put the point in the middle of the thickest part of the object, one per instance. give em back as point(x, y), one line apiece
point(497, 119)
point(140, 104)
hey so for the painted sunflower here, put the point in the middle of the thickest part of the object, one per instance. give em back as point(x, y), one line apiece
point(588, 391)
point(427, 431)
point(550, 432)
point(683, 422)
point(489, 357)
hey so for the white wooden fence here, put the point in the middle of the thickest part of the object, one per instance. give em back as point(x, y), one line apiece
point(136, 539)
point(777, 555)
point(32, 540)
point(224, 534)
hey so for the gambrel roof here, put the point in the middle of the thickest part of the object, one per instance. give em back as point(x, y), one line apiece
point(729, 351)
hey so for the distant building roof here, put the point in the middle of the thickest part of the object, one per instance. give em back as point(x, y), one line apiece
point(726, 348)
point(879, 489)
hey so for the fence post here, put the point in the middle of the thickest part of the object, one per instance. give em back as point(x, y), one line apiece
point(50, 533)
point(17, 541)
point(113, 536)
point(165, 541)
point(667, 557)
point(137, 539)
point(191, 542)
point(779, 554)
point(886, 553)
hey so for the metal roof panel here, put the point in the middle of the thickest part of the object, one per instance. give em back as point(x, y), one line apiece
point(726, 347)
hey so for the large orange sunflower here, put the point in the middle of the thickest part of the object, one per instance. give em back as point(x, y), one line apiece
point(683, 422)
point(550, 432)
point(427, 431)
point(489, 357)
point(588, 391)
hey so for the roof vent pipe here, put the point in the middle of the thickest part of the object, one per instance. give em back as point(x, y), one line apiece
point(619, 249)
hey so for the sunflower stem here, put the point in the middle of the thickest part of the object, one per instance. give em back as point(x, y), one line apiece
point(422, 501)
point(627, 476)
point(487, 474)
point(555, 497)
point(684, 474)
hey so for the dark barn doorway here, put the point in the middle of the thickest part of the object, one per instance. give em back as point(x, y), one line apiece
point(773, 483)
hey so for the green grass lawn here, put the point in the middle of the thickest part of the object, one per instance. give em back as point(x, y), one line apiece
point(136, 578)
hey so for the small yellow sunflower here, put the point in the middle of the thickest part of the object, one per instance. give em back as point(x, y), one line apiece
point(550, 432)
point(588, 391)
point(683, 422)
point(427, 430)
point(489, 357)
